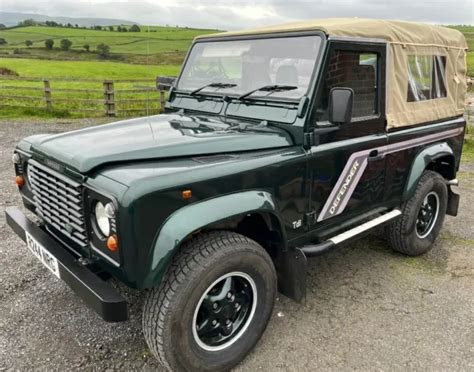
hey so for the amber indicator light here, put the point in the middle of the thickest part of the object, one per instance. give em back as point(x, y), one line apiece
point(187, 194)
point(20, 181)
point(112, 243)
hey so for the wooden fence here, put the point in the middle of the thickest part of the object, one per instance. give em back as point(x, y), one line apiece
point(88, 97)
point(91, 97)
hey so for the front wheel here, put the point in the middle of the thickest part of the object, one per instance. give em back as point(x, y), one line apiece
point(213, 305)
point(422, 217)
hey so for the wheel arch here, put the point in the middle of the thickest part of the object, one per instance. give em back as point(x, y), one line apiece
point(244, 212)
point(438, 157)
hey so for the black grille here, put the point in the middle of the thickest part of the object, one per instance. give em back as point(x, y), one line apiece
point(58, 201)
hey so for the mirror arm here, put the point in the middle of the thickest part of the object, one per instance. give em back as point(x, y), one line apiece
point(318, 132)
point(312, 138)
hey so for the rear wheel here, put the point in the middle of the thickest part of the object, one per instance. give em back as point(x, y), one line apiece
point(422, 217)
point(213, 304)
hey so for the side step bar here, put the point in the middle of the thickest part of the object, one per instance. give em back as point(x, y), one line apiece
point(320, 248)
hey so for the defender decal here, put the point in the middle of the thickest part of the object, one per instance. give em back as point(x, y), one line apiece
point(344, 187)
point(355, 166)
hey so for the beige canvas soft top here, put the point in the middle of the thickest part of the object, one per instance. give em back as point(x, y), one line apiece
point(405, 39)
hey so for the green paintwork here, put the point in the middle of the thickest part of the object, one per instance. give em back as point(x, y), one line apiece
point(421, 161)
point(243, 180)
point(191, 218)
point(154, 137)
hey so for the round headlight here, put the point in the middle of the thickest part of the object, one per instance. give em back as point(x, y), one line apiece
point(101, 219)
point(16, 159)
point(110, 210)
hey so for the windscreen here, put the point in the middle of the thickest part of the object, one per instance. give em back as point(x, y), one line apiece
point(251, 64)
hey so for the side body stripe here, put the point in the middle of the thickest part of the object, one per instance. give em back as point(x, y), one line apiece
point(355, 167)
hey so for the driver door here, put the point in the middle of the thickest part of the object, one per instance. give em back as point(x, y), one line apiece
point(347, 174)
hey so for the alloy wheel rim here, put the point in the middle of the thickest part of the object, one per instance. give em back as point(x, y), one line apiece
point(224, 311)
point(427, 215)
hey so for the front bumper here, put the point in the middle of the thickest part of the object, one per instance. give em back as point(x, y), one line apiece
point(99, 295)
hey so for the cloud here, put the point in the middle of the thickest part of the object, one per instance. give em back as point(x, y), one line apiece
point(235, 14)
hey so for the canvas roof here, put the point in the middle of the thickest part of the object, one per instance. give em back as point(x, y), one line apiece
point(393, 31)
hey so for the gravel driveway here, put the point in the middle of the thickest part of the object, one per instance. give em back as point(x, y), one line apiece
point(367, 307)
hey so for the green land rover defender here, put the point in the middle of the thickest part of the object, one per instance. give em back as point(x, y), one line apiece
point(276, 144)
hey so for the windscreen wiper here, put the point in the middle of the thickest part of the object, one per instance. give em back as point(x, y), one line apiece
point(269, 88)
point(260, 127)
point(213, 85)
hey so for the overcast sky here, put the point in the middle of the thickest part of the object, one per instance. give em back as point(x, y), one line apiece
point(235, 14)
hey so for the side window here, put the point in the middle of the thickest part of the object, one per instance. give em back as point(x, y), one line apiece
point(355, 70)
point(426, 77)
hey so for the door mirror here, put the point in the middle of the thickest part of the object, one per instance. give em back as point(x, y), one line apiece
point(165, 82)
point(340, 105)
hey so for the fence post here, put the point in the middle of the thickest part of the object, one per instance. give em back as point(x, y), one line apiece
point(162, 100)
point(109, 100)
point(47, 95)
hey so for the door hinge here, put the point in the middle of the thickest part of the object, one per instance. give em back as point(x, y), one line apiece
point(309, 139)
point(310, 218)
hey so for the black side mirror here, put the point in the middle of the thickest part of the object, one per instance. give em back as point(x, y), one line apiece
point(165, 82)
point(340, 105)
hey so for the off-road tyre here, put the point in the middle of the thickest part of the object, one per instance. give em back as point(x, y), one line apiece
point(169, 310)
point(404, 234)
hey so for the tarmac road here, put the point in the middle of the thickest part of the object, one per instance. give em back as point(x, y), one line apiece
point(367, 308)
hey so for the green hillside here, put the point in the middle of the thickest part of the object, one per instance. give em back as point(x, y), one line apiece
point(132, 47)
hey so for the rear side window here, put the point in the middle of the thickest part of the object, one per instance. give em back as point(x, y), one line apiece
point(426, 77)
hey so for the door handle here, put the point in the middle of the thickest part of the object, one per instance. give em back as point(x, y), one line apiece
point(374, 155)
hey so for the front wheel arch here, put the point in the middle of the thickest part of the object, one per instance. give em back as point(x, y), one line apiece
point(194, 218)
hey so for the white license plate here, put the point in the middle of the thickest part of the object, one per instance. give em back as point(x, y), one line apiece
point(42, 254)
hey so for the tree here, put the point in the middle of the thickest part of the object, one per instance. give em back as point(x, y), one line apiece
point(3, 41)
point(27, 22)
point(111, 28)
point(87, 47)
point(66, 44)
point(103, 50)
point(69, 25)
point(76, 25)
point(97, 27)
point(2, 25)
point(135, 28)
point(49, 43)
point(28, 43)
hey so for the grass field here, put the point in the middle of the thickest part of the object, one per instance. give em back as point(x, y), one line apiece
point(64, 101)
point(155, 51)
point(86, 69)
